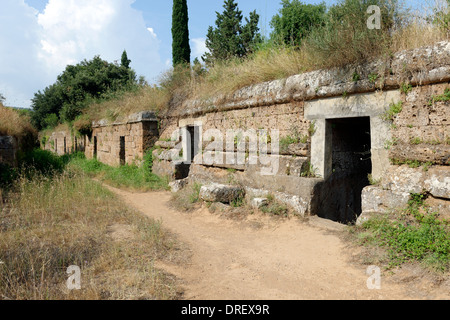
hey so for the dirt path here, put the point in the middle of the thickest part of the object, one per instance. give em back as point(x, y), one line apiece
point(261, 258)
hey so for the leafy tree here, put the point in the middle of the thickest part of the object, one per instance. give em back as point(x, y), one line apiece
point(230, 38)
point(2, 98)
point(296, 20)
point(181, 50)
point(51, 121)
point(78, 86)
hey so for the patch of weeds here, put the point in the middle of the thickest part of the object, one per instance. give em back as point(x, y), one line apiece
point(238, 202)
point(414, 164)
point(426, 166)
point(405, 88)
point(194, 197)
point(390, 143)
point(393, 111)
point(411, 163)
point(442, 97)
point(356, 77)
point(295, 138)
point(412, 235)
point(312, 128)
point(308, 171)
point(434, 142)
point(373, 181)
point(274, 207)
point(415, 141)
point(186, 199)
point(373, 77)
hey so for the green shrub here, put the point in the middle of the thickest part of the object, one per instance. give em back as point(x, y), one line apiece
point(40, 161)
point(345, 37)
point(7, 176)
point(394, 109)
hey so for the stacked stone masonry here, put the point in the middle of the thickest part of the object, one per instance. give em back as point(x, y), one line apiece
point(310, 106)
point(330, 137)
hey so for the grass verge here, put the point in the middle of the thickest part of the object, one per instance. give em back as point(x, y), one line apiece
point(51, 223)
point(131, 177)
point(414, 235)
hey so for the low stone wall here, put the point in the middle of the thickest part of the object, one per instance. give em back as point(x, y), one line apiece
point(8, 150)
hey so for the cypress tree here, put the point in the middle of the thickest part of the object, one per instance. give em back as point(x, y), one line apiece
point(181, 50)
point(125, 62)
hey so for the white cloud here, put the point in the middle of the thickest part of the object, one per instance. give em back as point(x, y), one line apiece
point(198, 47)
point(74, 30)
point(152, 32)
point(19, 47)
point(38, 46)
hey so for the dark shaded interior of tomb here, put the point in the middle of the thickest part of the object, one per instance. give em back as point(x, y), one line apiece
point(340, 194)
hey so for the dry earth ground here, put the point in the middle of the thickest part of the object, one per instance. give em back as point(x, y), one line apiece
point(262, 258)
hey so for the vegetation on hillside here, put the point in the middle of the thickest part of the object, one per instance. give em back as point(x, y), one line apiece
point(17, 123)
point(295, 21)
point(240, 56)
point(78, 87)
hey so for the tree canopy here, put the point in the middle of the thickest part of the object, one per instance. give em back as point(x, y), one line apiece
point(77, 87)
point(295, 21)
point(229, 38)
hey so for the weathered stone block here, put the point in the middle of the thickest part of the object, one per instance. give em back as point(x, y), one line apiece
point(221, 193)
point(436, 154)
point(177, 185)
point(403, 179)
point(438, 182)
point(375, 199)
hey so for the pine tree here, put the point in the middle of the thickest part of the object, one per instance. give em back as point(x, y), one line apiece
point(229, 38)
point(181, 50)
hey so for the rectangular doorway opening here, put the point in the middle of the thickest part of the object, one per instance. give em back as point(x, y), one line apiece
point(122, 151)
point(351, 163)
point(191, 147)
point(95, 147)
point(193, 137)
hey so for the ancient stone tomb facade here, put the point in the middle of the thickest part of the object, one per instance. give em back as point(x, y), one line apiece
point(111, 142)
point(63, 142)
point(123, 142)
point(323, 143)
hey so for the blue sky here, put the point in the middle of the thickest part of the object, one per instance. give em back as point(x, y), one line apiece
point(40, 37)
